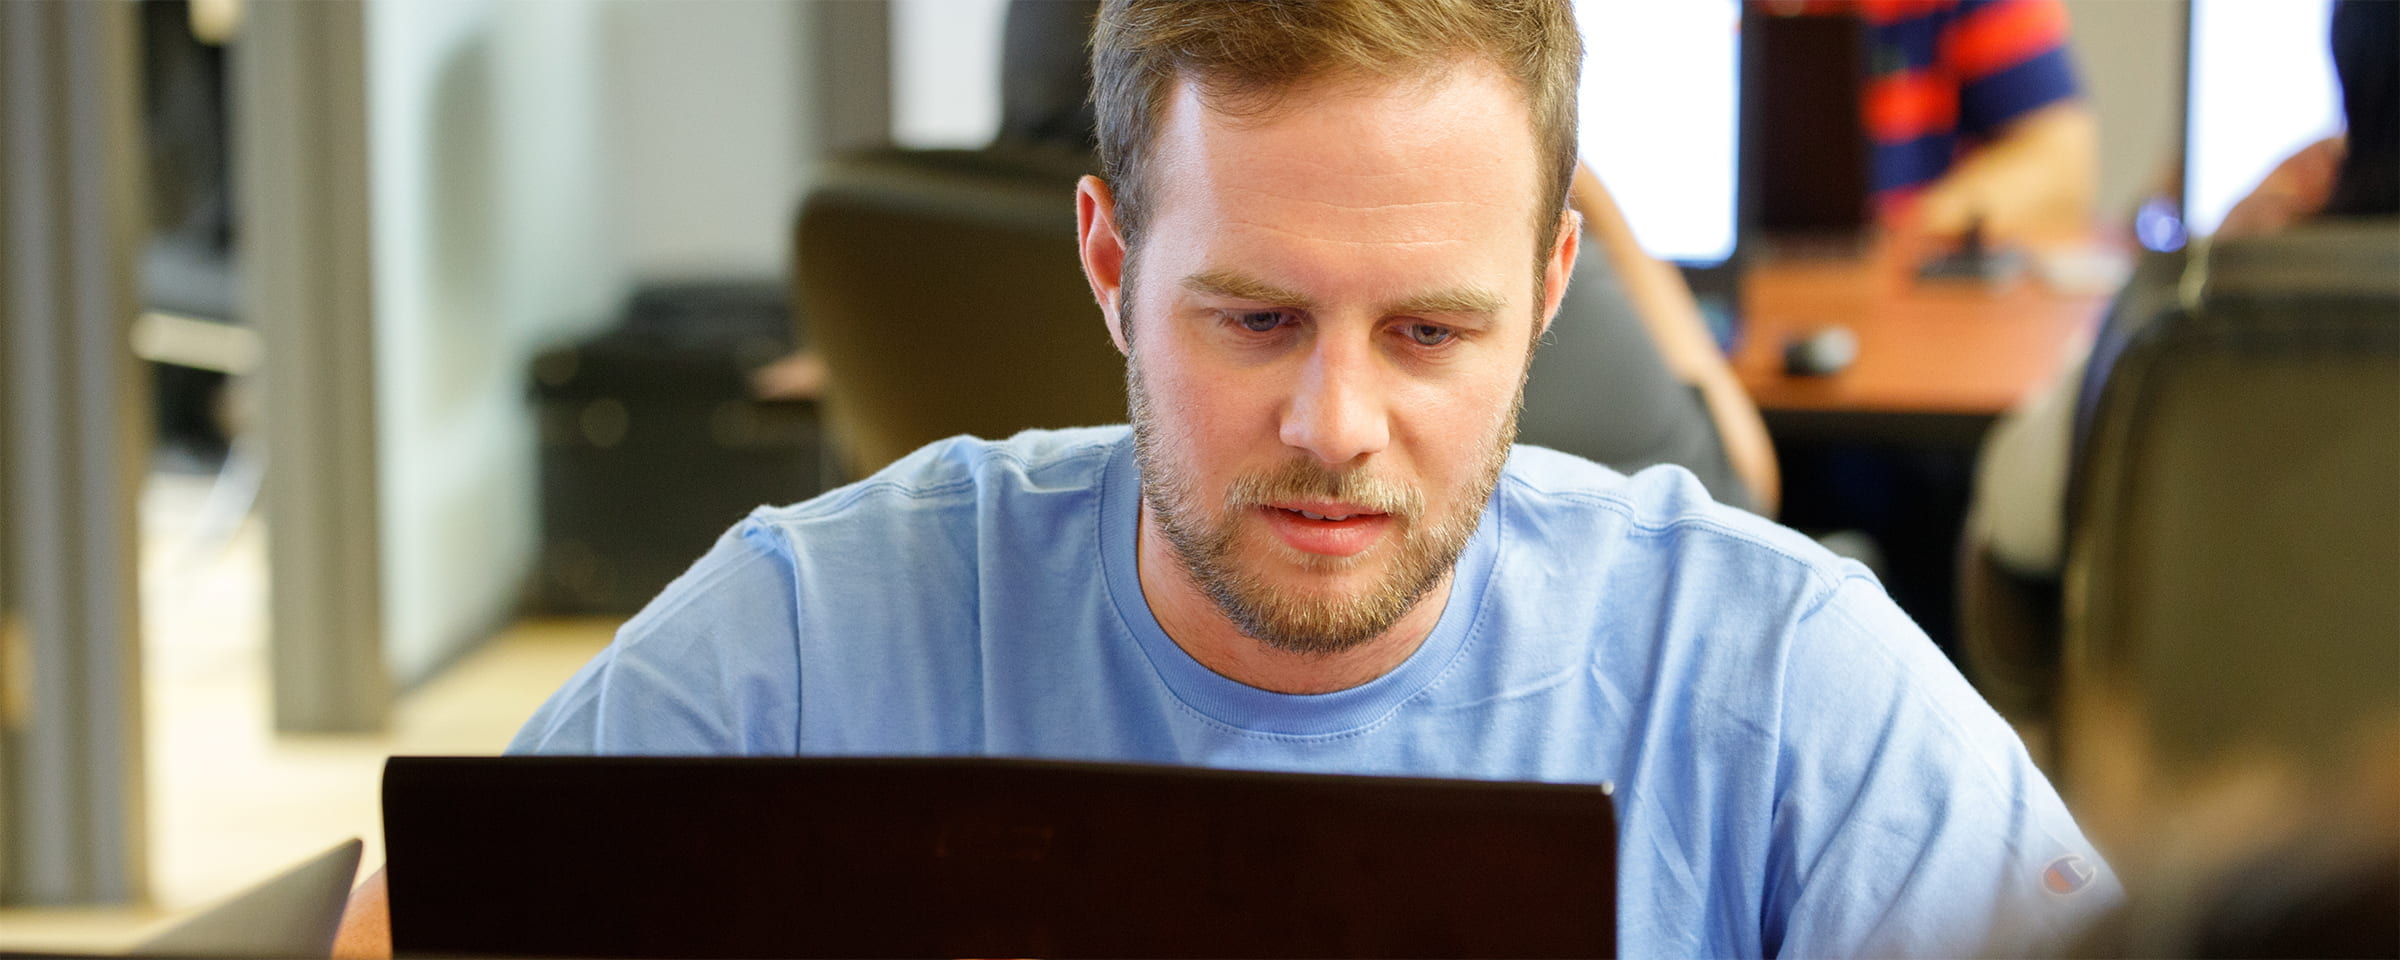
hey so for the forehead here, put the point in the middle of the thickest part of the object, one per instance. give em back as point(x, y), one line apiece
point(1445, 159)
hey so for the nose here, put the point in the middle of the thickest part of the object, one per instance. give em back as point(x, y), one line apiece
point(1338, 411)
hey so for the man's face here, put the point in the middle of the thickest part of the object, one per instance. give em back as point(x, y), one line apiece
point(1335, 307)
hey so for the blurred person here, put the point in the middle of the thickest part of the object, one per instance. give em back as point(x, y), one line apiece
point(1978, 122)
point(2019, 514)
point(1975, 121)
point(1328, 241)
point(1629, 376)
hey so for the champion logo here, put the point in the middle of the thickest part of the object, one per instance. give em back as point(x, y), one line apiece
point(2067, 874)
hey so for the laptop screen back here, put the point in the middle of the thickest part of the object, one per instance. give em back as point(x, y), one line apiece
point(749, 857)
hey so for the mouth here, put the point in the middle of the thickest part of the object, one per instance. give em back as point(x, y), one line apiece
point(1326, 529)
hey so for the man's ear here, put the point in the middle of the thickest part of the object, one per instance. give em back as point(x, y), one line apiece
point(1103, 251)
point(1563, 252)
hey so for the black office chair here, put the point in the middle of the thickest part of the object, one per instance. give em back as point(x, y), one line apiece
point(2233, 571)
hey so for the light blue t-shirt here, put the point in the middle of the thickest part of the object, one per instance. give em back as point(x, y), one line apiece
point(1798, 771)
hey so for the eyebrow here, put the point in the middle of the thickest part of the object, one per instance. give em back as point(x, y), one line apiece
point(1235, 286)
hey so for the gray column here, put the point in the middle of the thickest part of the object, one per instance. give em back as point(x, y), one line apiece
point(300, 119)
point(73, 439)
point(851, 86)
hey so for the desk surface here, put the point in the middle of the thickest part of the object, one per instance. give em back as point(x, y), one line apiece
point(1944, 348)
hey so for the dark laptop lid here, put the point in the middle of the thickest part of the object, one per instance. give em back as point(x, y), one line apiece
point(610, 857)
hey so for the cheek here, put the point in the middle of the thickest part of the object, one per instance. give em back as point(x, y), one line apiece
point(1209, 421)
point(1454, 427)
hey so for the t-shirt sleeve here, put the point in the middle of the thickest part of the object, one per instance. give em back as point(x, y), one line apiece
point(710, 667)
point(2010, 58)
point(1909, 820)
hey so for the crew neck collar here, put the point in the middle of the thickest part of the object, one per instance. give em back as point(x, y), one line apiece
point(1250, 709)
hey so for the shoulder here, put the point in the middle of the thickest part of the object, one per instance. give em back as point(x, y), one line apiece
point(1780, 635)
point(712, 665)
point(1681, 604)
point(962, 467)
point(1734, 598)
point(951, 484)
point(1658, 518)
point(1886, 755)
point(702, 669)
point(1809, 639)
point(1821, 700)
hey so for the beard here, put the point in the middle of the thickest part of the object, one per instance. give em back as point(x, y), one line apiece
point(1418, 551)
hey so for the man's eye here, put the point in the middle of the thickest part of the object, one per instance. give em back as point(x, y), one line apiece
point(1259, 321)
point(1430, 335)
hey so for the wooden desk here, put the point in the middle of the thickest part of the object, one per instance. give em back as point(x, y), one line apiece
point(1887, 447)
point(1932, 358)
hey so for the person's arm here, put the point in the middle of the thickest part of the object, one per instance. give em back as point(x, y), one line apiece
point(2035, 168)
point(1672, 317)
point(366, 930)
point(1908, 819)
point(2033, 184)
point(2295, 190)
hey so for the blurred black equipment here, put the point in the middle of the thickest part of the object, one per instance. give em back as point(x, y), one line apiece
point(1804, 147)
point(653, 443)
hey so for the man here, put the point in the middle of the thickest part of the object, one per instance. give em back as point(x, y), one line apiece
point(1327, 241)
point(1629, 339)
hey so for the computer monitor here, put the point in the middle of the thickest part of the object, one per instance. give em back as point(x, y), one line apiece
point(2260, 86)
point(1660, 120)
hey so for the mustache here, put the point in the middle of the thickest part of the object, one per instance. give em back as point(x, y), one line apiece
point(1308, 480)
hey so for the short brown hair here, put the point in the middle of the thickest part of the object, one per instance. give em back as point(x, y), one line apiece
point(1243, 54)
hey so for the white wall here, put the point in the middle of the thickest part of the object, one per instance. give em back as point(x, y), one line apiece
point(2129, 55)
point(531, 161)
point(484, 137)
point(705, 120)
point(946, 72)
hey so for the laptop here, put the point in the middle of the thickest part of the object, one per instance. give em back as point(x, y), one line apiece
point(293, 914)
point(724, 857)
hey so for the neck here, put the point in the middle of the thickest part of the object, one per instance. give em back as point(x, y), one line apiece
point(1193, 621)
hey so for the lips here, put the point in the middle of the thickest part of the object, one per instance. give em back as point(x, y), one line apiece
point(1326, 529)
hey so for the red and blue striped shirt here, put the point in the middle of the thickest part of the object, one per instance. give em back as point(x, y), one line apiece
point(1946, 75)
